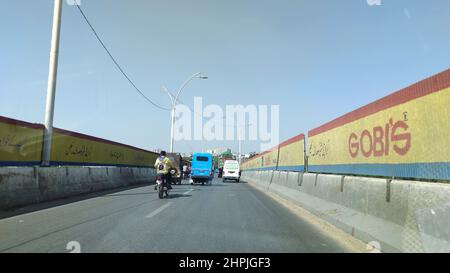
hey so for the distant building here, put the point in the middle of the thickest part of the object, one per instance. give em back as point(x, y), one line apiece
point(218, 151)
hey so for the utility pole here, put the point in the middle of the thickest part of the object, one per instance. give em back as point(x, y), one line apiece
point(51, 88)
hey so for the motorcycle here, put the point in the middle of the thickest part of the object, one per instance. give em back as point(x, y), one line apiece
point(162, 185)
point(162, 188)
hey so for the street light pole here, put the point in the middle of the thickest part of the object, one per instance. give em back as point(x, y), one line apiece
point(240, 136)
point(172, 128)
point(51, 88)
point(174, 101)
point(240, 133)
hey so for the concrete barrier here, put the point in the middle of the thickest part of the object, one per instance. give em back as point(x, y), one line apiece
point(428, 215)
point(402, 216)
point(247, 176)
point(259, 178)
point(19, 186)
point(293, 180)
point(23, 186)
point(280, 178)
point(267, 179)
point(330, 188)
point(309, 182)
point(275, 178)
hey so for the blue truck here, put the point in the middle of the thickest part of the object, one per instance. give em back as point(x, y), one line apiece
point(202, 169)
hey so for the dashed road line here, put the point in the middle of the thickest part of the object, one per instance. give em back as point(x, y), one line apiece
point(158, 210)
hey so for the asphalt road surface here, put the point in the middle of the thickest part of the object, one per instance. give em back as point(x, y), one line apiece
point(222, 217)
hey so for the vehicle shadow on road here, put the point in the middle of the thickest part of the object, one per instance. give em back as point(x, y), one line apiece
point(177, 195)
point(130, 194)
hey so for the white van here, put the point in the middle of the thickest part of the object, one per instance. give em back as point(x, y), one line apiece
point(231, 171)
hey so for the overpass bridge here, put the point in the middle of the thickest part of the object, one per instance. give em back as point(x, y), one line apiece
point(378, 176)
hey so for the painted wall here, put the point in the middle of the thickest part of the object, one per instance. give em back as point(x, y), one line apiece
point(292, 154)
point(403, 135)
point(21, 145)
point(20, 142)
point(288, 156)
point(406, 134)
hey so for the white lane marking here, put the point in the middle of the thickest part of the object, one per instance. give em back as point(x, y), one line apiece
point(188, 192)
point(159, 210)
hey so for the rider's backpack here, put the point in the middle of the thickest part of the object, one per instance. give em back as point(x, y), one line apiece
point(161, 165)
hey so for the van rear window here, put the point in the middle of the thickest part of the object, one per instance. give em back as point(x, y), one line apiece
point(203, 158)
point(231, 166)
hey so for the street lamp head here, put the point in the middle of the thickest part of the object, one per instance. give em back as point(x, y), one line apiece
point(200, 76)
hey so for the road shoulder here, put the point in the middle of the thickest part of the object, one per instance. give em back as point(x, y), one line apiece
point(347, 241)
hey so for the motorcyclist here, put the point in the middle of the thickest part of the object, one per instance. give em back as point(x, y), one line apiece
point(163, 165)
point(185, 171)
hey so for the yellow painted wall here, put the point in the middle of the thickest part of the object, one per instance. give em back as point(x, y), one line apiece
point(20, 144)
point(73, 149)
point(423, 124)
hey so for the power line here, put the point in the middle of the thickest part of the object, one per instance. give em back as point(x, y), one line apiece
point(116, 63)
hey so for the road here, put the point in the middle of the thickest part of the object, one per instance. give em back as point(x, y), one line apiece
point(222, 217)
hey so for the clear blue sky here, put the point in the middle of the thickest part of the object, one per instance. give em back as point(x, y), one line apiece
point(317, 59)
